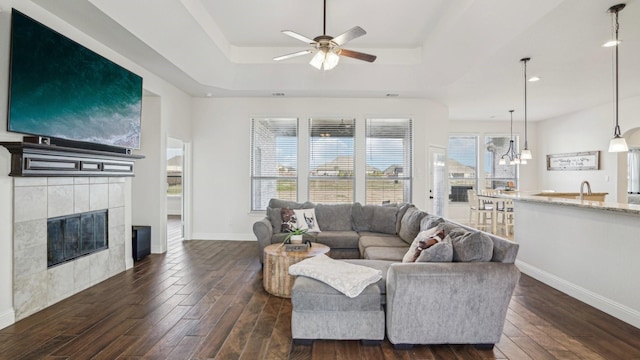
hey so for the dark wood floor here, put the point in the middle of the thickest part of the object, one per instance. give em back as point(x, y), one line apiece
point(204, 299)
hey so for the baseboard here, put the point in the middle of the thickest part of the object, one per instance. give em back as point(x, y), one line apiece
point(223, 236)
point(613, 308)
point(8, 317)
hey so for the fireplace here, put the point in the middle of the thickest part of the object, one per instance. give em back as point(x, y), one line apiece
point(93, 205)
point(72, 236)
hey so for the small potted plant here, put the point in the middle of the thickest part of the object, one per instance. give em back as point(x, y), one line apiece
point(295, 236)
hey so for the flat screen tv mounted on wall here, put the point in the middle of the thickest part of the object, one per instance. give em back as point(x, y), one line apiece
point(62, 90)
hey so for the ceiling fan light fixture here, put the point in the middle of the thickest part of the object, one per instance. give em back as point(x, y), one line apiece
point(331, 59)
point(318, 59)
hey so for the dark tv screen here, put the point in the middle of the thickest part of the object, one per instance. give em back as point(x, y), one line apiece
point(60, 89)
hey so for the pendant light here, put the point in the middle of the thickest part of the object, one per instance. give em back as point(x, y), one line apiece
point(526, 153)
point(511, 151)
point(618, 143)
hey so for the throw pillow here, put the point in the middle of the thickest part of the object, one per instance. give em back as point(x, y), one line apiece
point(473, 246)
point(306, 219)
point(425, 244)
point(408, 256)
point(440, 252)
point(289, 220)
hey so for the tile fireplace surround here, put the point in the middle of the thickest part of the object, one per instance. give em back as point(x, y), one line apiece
point(35, 199)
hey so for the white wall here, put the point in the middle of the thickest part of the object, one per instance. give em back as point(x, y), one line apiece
point(588, 130)
point(221, 151)
point(528, 180)
point(175, 114)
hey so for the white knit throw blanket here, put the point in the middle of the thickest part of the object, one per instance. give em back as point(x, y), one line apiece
point(349, 279)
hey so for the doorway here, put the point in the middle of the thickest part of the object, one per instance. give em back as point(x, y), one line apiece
point(437, 179)
point(175, 190)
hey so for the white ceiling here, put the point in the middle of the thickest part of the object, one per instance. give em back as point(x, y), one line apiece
point(462, 53)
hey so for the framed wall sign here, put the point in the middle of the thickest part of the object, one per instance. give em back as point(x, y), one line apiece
point(588, 160)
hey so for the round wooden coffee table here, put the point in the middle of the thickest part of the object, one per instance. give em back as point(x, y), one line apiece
point(276, 278)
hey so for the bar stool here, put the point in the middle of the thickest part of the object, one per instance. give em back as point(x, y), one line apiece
point(480, 214)
point(506, 217)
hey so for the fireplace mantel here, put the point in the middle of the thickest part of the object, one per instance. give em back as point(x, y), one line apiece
point(30, 160)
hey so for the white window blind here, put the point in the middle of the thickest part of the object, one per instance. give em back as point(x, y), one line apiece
point(274, 160)
point(331, 160)
point(498, 176)
point(463, 162)
point(389, 144)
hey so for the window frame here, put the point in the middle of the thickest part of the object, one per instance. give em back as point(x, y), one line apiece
point(254, 158)
point(407, 161)
point(339, 121)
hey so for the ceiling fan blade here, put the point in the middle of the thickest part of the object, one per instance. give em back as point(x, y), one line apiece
point(357, 55)
point(349, 35)
point(295, 35)
point(292, 55)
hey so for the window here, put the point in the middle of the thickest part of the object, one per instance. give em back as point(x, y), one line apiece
point(274, 160)
point(463, 162)
point(498, 176)
point(331, 165)
point(388, 160)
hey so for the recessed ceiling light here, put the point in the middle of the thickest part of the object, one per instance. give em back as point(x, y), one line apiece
point(534, 79)
point(277, 94)
point(208, 94)
point(393, 95)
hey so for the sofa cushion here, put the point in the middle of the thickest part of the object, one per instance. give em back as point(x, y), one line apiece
point(306, 219)
point(381, 265)
point(333, 217)
point(430, 221)
point(472, 246)
point(440, 252)
point(402, 209)
point(275, 218)
point(347, 278)
point(393, 254)
point(410, 224)
point(376, 218)
point(310, 294)
point(385, 240)
point(277, 203)
point(338, 239)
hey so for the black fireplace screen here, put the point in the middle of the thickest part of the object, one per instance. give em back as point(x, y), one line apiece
point(72, 236)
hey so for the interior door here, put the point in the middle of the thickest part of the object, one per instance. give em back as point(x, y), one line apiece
point(437, 179)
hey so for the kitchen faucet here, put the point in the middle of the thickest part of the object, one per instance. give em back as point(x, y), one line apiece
point(582, 189)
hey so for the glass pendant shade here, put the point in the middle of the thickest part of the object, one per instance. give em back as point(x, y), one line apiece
point(526, 154)
point(331, 60)
point(618, 144)
point(317, 60)
point(502, 161)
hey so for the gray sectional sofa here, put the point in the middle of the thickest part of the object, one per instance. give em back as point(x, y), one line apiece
point(459, 302)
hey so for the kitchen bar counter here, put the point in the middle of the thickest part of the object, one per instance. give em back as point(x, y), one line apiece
point(587, 249)
point(632, 209)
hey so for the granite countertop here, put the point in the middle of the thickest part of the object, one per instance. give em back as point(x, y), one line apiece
point(633, 209)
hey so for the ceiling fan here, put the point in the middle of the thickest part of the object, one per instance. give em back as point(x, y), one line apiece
point(328, 48)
